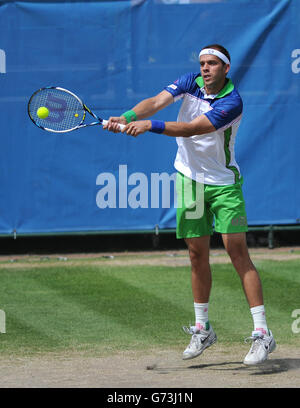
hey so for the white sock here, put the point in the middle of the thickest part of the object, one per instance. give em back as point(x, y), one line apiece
point(259, 318)
point(201, 315)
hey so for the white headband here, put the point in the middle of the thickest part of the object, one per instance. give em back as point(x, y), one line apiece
point(217, 53)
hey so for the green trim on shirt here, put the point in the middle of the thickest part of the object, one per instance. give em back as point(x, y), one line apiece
point(228, 88)
point(227, 137)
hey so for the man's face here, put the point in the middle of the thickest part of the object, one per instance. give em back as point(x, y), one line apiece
point(213, 71)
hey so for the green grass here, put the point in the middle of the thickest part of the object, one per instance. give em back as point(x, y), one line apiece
point(108, 308)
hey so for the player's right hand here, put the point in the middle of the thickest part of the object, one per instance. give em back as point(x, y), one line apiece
point(113, 123)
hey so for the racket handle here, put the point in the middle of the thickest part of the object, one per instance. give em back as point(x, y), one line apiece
point(105, 122)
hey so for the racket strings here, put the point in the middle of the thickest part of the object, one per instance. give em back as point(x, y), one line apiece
point(65, 110)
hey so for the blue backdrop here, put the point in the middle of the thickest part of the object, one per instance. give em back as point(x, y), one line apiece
point(113, 54)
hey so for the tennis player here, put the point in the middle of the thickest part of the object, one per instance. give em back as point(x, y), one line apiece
point(205, 131)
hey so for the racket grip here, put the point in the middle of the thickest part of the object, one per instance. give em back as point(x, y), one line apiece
point(105, 122)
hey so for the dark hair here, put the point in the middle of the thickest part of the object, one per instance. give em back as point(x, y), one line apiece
point(219, 48)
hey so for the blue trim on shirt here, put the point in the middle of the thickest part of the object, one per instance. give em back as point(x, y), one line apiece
point(225, 109)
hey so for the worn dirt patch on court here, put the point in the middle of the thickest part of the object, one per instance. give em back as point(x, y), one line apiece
point(164, 258)
point(219, 367)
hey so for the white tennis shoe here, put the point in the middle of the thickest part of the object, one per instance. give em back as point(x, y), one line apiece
point(201, 339)
point(262, 346)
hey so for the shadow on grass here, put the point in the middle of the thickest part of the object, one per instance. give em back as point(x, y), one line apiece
point(274, 366)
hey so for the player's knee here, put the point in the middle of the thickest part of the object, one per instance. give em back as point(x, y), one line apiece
point(239, 257)
point(198, 258)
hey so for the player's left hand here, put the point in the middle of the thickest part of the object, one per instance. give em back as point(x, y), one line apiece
point(114, 122)
point(136, 128)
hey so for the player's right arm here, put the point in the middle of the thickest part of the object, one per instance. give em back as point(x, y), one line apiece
point(144, 109)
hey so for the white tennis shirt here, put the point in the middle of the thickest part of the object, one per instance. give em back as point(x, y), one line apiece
point(211, 155)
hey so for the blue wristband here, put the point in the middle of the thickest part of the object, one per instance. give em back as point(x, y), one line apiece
point(157, 126)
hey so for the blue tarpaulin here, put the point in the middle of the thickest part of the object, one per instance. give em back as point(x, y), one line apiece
point(113, 54)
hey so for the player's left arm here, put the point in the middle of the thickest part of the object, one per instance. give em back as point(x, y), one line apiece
point(198, 126)
point(224, 112)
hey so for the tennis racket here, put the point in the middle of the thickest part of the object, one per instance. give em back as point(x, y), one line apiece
point(58, 110)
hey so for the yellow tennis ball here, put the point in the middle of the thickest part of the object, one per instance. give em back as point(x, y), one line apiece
point(42, 112)
point(76, 115)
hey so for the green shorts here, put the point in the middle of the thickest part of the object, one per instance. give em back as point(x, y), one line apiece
point(202, 206)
